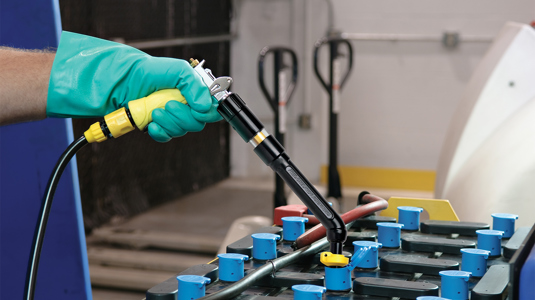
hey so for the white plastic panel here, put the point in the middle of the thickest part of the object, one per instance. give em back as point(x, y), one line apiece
point(502, 83)
point(500, 175)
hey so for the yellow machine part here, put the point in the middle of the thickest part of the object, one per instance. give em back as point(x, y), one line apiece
point(95, 134)
point(118, 122)
point(438, 209)
point(333, 260)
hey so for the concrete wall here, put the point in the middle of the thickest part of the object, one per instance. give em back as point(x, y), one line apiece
point(401, 95)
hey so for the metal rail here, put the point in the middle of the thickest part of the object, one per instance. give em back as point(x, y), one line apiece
point(150, 44)
point(394, 37)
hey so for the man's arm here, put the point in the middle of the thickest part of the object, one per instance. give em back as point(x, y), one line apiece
point(24, 77)
point(92, 77)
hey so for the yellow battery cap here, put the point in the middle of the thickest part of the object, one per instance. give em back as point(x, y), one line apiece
point(333, 260)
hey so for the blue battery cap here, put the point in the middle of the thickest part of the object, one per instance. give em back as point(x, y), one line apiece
point(231, 266)
point(371, 259)
point(293, 227)
point(191, 286)
point(265, 245)
point(490, 232)
point(410, 217)
point(490, 240)
point(389, 234)
point(505, 223)
point(474, 261)
point(339, 279)
point(454, 284)
point(430, 298)
point(308, 291)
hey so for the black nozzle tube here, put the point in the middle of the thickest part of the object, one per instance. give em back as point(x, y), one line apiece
point(336, 248)
point(336, 232)
point(272, 153)
point(234, 110)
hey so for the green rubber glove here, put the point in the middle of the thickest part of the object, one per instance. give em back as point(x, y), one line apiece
point(92, 77)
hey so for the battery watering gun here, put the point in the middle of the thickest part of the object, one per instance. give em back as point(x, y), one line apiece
point(234, 110)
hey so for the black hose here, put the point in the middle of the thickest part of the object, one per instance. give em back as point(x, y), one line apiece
point(45, 212)
point(270, 267)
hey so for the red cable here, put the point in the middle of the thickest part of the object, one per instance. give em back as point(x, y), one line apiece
point(317, 232)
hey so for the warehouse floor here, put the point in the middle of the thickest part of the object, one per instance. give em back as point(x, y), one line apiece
point(128, 258)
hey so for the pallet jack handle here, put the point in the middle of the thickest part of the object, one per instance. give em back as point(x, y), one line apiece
point(280, 95)
point(333, 87)
point(333, 43)
point(283, 91)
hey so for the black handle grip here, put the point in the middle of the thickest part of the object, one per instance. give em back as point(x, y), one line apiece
point(333, 43)
point(278, 53)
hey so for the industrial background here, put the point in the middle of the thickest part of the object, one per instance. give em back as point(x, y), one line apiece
point(151, 211)
point(109, 195)
point(402, 91)
point(396, 106)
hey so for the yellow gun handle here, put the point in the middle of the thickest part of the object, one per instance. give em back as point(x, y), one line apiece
point(141, 109)
point(118, 122)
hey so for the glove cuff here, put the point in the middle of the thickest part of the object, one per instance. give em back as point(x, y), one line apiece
point(81, 80)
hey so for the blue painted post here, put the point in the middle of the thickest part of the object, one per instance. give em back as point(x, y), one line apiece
point(29, 152)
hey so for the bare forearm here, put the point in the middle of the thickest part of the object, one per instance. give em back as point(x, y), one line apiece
point(24, 77)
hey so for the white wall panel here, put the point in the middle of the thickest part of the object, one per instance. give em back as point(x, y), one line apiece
point(401, 95)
